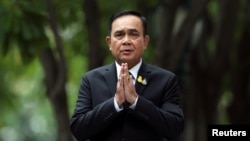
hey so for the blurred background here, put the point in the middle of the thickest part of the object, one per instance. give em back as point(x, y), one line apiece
point(47, 45)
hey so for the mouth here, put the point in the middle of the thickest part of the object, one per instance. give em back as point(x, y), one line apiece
point(126, 51)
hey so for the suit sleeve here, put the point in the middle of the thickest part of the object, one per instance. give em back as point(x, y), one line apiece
point(87, 121)
point(168, 119)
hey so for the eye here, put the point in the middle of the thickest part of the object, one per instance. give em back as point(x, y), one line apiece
point(134, 34)
point(118, 35)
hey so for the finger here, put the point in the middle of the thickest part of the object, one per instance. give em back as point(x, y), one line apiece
point(130, 92)
point(126, 71)
point(126, 67)
point(129, 79)
point(122, 81)
point(120, 96)
point(122, 69)
point(119, 86)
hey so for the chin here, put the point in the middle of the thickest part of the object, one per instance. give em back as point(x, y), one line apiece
point(125, 60)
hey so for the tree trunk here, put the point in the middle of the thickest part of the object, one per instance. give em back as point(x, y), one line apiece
point(96, 51)
point(170, 47)
point(238, 111)
point(180, 41)
point(166, 23)
point(55, 79)
point(209, 69)
point(56, 93)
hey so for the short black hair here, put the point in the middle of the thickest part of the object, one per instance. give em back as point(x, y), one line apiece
point(128, 12)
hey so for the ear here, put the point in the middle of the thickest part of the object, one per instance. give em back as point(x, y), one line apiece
point(108, 41)
point(146, 41)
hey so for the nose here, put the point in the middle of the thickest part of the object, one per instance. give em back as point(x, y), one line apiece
point(126, 40)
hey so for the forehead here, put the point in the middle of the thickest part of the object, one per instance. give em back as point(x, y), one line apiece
point(127, 22)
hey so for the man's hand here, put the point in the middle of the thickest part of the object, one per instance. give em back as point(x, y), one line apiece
point(125, 88)
point(119, 95)
point(129, 88)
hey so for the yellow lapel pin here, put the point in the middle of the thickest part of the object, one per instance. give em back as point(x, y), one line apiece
point(142, 81)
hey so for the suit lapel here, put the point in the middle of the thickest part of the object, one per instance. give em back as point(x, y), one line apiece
point(111, 78)
point(144, 74)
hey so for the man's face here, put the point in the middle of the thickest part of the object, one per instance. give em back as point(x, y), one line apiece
point(126, 41)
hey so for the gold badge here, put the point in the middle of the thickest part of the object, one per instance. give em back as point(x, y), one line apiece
point(141, 80)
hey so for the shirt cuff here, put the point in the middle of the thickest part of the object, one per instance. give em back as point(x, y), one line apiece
point(117, 108)
point(134, 104)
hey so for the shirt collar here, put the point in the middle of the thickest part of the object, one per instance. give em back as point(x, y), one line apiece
point(134, 70)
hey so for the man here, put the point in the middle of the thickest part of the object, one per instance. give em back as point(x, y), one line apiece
point(128, 99)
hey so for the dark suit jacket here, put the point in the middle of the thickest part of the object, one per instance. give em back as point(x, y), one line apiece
point(156, 116)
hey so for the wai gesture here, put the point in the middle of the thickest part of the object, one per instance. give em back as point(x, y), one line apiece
point(125, 90)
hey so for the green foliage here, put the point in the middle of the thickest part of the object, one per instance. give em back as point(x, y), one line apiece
point(22, 25)
point(213, 9)
point(68, 12)
point(75, 39)
point(21, 99)
point(6, 96)
point(112, 7)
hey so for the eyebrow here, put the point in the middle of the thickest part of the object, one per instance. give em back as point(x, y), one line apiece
point(130, 30)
